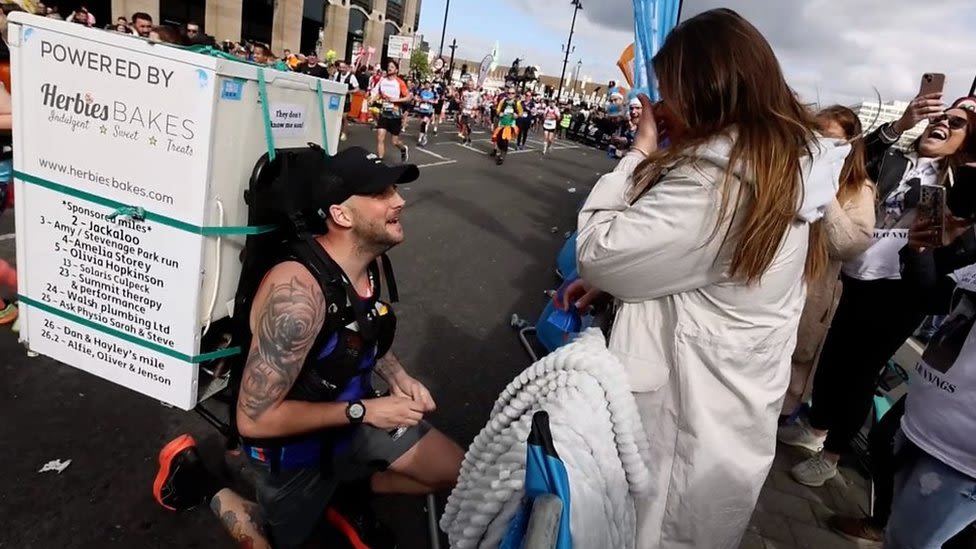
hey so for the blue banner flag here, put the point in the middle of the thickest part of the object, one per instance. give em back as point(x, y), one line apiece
point(653, 20)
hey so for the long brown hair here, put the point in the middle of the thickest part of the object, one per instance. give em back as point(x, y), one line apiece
point(718, 75)
point(854, 174)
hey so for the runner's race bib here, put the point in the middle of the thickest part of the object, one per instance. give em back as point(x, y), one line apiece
point(509, 110)
point(387, 106)
point(549, 125)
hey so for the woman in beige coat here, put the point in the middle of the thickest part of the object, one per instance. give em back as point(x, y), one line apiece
point(705, 246)
point(848, 224)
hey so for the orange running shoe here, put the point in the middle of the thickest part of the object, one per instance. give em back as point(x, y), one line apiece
point(179, 482)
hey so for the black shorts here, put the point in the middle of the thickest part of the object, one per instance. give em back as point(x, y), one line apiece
point(293, 501)
point(392, 125)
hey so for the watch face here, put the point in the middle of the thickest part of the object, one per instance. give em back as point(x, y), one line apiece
point(356, 410)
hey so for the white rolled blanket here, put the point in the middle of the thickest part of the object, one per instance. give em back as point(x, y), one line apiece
point(597, 433)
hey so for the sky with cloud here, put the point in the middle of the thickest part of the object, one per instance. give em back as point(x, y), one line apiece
point(830, 50)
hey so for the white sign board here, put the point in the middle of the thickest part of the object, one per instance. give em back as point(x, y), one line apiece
point(287, 119)
point(400, 46)
point(103, 129)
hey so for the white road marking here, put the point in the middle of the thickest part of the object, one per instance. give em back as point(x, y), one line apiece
point(441, 163)
point(9, 236)
point(470, 148)
point(425, 151)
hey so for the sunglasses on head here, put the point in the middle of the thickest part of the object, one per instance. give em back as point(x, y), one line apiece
point(955, 122)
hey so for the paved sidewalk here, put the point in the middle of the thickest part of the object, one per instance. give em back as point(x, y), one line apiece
point(792, 516)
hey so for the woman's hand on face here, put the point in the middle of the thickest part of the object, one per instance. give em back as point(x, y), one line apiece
point(647, 137)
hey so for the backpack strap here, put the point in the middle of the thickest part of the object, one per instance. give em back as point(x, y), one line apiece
point(329, 274)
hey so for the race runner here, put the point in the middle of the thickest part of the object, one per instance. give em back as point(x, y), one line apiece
point(428, 100)
point(550, 119)
point(470, 101)
point(508, 109)
point(306, 414)
point(447, 98)
point(524, 121)
point(391, 92)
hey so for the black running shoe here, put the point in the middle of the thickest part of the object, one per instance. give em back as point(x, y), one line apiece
point(178, 483)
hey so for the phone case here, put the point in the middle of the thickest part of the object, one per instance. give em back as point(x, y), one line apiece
point(932, 82)
point(931, 203)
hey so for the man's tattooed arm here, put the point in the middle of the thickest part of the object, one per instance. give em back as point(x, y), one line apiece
point(389, 368)
point(286, 325)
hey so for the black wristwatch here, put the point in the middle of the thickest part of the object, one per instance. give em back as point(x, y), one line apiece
point(355, 411)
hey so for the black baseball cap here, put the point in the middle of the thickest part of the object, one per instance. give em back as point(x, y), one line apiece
point(306, 182)
point(362, 173)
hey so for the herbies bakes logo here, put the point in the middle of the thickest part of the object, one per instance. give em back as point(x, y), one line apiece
point(88, 111)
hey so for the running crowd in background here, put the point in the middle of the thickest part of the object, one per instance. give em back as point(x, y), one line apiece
point(394, 98)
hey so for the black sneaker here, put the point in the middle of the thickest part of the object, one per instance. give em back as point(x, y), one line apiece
point(404, 154)
point(177, 486)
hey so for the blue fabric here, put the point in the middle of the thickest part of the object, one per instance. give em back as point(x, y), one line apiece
point(566, 260)
point(545, 473)
point(557, 327)
point(298, 455)
point(653, 20)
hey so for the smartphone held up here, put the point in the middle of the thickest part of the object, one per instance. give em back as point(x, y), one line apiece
point(932, 82)
point(932, 210)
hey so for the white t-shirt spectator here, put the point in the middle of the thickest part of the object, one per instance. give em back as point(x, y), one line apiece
point(940, 412)
point(894, 218)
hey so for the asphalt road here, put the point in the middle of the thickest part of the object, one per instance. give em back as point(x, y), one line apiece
point(481, 244)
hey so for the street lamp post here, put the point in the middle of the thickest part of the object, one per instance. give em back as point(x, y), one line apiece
point(577, 5)
point(450, 69)
point(579, 67)
point(440, 50)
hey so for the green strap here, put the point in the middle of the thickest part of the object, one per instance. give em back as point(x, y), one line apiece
point(192, 359)
point(139, 213)
point(263, 93)
point(132, 212)
point(215, 52)
point(325, 133)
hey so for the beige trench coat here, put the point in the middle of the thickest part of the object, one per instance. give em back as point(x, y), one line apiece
point(707, 356)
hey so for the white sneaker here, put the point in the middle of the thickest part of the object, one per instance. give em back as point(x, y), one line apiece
point(801, 435)
point(814, 471)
